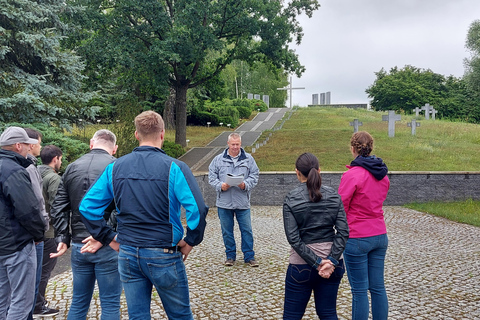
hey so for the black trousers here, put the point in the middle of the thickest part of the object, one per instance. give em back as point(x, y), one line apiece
point(50, 246)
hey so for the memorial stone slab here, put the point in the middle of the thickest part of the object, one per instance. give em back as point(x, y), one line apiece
point(414, 124)
point(250, 96)
point(315, 99)
point(433, 112)
point(322, 98)
point(327, 97)
point(266, 99)
point(356, 124)
point(391, 118)
point(257, 96)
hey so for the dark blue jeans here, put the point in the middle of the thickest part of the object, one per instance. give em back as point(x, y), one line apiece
point(301, 279)
point(365, 261)
point(244, 224)
point(101, 266)
point(141, 269)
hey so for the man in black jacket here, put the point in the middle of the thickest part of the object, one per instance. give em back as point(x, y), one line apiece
point(20, 226)
point(87, 268)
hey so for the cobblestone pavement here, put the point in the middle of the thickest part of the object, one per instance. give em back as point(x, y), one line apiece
point(432, 272)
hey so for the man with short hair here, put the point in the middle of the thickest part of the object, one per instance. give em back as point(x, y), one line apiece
point(149, 188)
point(51, 156)
point(234, 201)
point(21, 226)
point(37, 185)
point(87, 268)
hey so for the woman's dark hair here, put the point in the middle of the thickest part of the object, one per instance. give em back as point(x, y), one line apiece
point(308, 165)
point(362, 142)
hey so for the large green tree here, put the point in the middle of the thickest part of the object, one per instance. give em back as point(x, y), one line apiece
point(188, 43)
point(472, 73)
point(404, 89)
point(39, 82)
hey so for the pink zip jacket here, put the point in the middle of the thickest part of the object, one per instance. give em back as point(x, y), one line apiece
point(363, 189)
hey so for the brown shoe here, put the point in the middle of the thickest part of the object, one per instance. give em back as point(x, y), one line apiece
point(252, 263)
point(229, 262)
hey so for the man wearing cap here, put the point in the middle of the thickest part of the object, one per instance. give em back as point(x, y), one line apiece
point(20, 226)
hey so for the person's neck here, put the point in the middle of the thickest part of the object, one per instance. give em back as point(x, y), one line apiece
point(151, 144)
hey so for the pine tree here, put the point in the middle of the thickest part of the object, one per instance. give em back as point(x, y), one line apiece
point(39, 82)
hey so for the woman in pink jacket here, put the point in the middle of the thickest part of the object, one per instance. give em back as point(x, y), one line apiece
point(363, 189)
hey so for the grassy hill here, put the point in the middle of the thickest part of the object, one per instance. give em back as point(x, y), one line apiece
point(438, 145)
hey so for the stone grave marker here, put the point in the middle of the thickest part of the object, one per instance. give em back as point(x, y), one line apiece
point(256, 96)
point(315, 99)
point(327, 97)
point(356, 124)
point(250, 96)
point(433, 112)
point(414, 124)
point(417, 111)
point(391, 118)
point(427, 109)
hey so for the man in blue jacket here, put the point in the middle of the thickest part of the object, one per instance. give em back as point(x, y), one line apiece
point(21, 225)
point(149, 189)
point(234, 200)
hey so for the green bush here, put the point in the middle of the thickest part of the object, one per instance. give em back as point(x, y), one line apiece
point(244, 112)
point(200, 118)
point(244, 103)
point(71, 147)
point(227, 111)
point(228, 119)
point(172, 149)
point(259, 104)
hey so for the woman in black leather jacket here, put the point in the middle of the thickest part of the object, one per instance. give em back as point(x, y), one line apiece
point(316, 228)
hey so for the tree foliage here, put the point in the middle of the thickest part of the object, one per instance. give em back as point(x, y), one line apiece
point(472, 65)
point(39, 82)
point(188, 43)
point(405, 89)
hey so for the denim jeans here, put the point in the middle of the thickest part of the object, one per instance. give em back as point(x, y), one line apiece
point(245, 226)
point(17, 283)
point(365, 261)
point(49, 246)
point(101, 266)
point(141, 269)
point(38, 274)
point(300, 280)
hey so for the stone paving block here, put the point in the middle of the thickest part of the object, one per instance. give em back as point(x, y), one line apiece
point(432, 272)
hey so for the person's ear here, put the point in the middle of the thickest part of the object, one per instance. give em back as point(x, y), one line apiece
point(115, 149)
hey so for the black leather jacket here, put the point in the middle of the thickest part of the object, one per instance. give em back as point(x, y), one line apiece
point(309, 222)
point(76, 181)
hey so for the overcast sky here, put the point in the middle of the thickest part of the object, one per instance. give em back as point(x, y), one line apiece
point(347, 41)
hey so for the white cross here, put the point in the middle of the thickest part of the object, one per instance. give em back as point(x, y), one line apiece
point(290, 89)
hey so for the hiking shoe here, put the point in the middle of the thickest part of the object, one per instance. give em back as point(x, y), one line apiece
point(45, 312)
point(252, 263)
point(229, 262)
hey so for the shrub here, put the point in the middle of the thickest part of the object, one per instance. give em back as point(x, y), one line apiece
point(228, 119)
point(71, 147)
point(172, 149)
point(259, 104)
point(200, 118)
point(244, 112)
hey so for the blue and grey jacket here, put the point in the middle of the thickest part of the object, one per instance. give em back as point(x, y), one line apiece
point(223, 164)
point(149, 189)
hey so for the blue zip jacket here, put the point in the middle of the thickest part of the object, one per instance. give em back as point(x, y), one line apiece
point(149, 189)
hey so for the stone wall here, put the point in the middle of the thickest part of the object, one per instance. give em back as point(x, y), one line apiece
point(405, 187)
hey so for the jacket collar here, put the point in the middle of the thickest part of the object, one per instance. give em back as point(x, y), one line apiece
point(149, 148)
point(242, 155)
point(15, 157)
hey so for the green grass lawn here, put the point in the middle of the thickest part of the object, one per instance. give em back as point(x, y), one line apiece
point(460, 211)
point(438, 145)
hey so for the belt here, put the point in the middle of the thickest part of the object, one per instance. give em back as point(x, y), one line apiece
point(171, 249)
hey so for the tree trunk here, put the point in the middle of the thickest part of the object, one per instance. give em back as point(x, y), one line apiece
point(169, 111)
point(181, 115)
